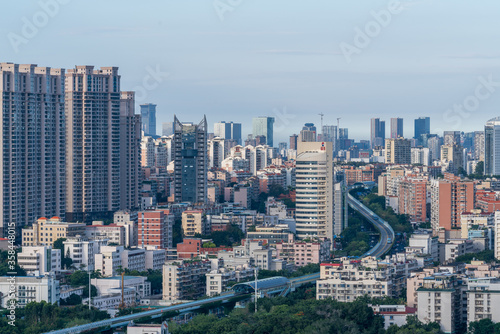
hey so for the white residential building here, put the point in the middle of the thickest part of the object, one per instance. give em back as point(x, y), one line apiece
point(394, 314)
point(39, 260)
point(423, 243)
point(440, 300)
point(218, 280)
point(98, 231)
point(351, 279)
point(29, 289)
point(113, 299)
point(134, 259)
point(497, 234)
point(185, 280)
point(109, 260)
point(139, 284)
point(483, 299)
point(314, 184)
point(448, 252)
point(155, 258)
point(82, 251)
point(129, 220)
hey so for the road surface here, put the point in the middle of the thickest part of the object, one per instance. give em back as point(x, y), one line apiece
point(386, 231)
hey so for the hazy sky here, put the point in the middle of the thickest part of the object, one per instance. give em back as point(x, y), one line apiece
point(279, 57)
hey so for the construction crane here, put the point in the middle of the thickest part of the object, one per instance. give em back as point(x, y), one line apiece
point(321, 114)
point(338, 123)
point(122, 303)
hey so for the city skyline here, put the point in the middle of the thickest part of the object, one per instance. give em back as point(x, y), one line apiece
point(167, 166)
point(269, 69)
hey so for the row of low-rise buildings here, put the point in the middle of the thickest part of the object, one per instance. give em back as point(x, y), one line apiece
point(452, 295)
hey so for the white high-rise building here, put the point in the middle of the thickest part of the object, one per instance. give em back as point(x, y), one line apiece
point(497, 235)
point(314, 184)
point(32, 144)
point(340, 206)
point(129, 220)
point(216, 152)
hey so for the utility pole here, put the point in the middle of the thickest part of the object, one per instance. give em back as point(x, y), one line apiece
point(90, 290)
point(256, 270)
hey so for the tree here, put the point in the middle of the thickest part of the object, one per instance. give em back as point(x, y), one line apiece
point(86, 291)
point(66, 261)
point(79, 278)
point(73, 299)
point(4, 265)
point(479, 170)
point(484, 326)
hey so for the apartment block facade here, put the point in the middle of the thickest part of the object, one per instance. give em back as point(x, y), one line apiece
point(314, 196)
point(102, 147)
point(185, 280)
point(155, 228)
point(32, 146)
point(450, 197)
point(190, 161)
point(412, 199)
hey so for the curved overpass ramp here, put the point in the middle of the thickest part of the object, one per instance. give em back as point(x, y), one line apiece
point(386, 232)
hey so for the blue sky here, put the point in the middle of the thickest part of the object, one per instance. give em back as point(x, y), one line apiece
point(279, 57)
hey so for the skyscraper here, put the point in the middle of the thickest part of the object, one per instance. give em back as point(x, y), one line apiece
point(33, 144)
point(130, 142)
point(422, 125)
point(308, 132)
point(190, 161)
point(377, 137)
point(492, 147)
point(167, 129)
point(96, 128)
point(451, 138)
point(314, 184)
point(263, 126)
point(343, 142)
point(148, 117)
point(329, 133)
point(396, 127)
point(398, 151)
point(479, 145)
point(216, 152)
point(343, 133)
point(293, 142)
point(228, 131)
